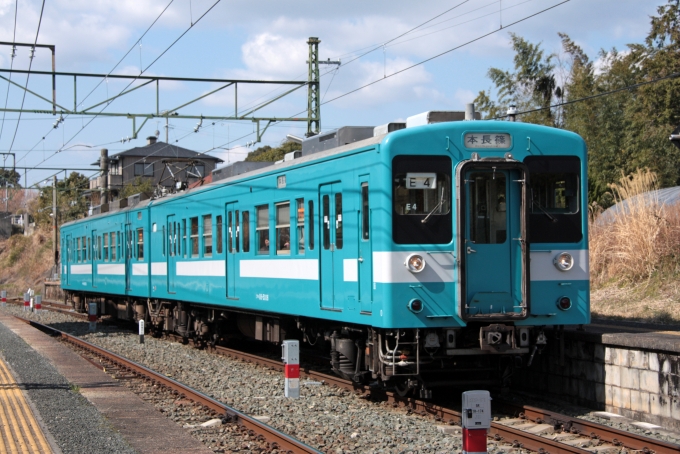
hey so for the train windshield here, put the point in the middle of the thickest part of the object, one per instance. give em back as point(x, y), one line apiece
point(421, 195)
point(554, 210)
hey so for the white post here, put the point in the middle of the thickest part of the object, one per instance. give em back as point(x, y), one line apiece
point(92, 316)
point(141, 331)
point(476, 421)
point(291, 360)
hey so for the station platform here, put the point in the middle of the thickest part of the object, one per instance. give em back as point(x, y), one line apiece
point(20, 432)
point(69, 405)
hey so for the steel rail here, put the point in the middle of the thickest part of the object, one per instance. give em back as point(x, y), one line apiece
point(276, 439)
point(603, 432)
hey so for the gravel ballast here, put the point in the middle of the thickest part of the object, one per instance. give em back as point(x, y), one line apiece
point(327, 418)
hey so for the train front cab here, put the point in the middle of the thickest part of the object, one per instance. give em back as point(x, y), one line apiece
point(496, 249)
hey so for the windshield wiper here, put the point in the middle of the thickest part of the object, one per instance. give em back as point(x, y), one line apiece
point(535, 203)
point(441, 202)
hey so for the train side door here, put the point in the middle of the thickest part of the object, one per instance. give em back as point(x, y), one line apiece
point(231, 214)
point(493, 247)
point(171, 232)
point(332, 272)
point(95, 257)
point(365, 248)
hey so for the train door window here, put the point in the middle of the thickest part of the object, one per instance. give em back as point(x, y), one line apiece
point(262, 229)
point(487, 207)
point(219, 228)
point(99, 247)
point(238, 231)
point(140, 244)
point(300, 221)
point(364, 211)
point(338, 220)
point(311, 225)
point(194, 236)
point(184, 237)
point(78, 259)
point(283, 228)
point(106, 247)
point(168, 239)
point(113, 246)
point(325, 212)
point(175, 238)
point(230, 234)
point(246, 231)
point(119, 240)
point(163, 239)
point(207, 235)
point(89, 249)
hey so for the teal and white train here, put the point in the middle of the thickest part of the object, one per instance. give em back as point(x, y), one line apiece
point(420, 254)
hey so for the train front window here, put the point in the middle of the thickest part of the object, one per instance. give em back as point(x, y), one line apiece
point(421, 193)
point(555, 214)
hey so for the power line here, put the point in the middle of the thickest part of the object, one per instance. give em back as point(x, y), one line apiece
point(23, 99)
point(11, 65)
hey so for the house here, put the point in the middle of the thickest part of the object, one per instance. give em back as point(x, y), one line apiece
point(163, 163)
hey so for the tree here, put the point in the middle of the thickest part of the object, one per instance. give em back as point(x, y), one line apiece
point(9, 177)
point(137, 186)
point(531, 86)
point(70, 201)
point(268, 154)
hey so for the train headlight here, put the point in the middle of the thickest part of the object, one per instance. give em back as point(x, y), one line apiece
point(415, 305)
point(563, 261)
point(415, 263)
point(564, 303)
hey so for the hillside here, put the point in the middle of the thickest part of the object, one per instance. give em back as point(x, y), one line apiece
point(25, 262)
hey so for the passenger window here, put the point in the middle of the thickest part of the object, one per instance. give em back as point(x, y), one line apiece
point(219, 227)
point(194, 236)
point(262, 229)
point(207, 235)
point(106, 247)
point(246, 231)
point(89, 247)
point(140, 244)
point(283, 229)
point(300, 225)
point(78, 249)
point(113, 246)
point(99, 247)
point(311, 225)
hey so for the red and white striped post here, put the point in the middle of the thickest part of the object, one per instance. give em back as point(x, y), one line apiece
point(27, 301)
point(476, 421)
point(3, 293)
point(38, 303)
point(291, 360)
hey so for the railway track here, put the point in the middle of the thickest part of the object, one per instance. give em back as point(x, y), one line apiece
point(524, 427)
point(269, 438)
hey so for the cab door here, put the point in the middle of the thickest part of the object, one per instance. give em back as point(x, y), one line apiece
point(493, 247)
point(66, 259)
point(332, 243)
point(365, 248)
point(95, 256)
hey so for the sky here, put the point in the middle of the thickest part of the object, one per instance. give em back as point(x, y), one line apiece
point(379, 43)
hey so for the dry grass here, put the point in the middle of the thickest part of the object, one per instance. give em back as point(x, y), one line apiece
point(634, 255)
point(25, 262)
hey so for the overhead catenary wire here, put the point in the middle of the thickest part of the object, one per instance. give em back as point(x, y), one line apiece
point(11, 65)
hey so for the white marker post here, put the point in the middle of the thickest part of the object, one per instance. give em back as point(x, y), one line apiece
point(27, 301)
point(141, 331)
point(291, 360)
point(92, 316)
point(4, 298)
point(38, 304)
point(476, 421)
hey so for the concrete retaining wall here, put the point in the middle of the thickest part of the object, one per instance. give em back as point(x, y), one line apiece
point(636, 375)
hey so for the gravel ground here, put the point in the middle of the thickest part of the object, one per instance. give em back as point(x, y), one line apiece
point(74, 423)
point(329, 419)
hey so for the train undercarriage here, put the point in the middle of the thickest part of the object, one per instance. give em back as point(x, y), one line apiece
point(408, 361)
